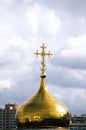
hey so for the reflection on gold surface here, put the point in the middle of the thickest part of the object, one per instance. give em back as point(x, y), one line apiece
point(42, 110)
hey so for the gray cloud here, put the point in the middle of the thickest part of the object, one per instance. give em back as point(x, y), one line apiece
point(61, 25)
point(66, 77)
point(71, 60)
point(66, 7)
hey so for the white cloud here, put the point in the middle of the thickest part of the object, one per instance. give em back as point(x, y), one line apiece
point(41, 19)
point(77, 42)
point(53, 23)
point(32, 18)
point(5, 83)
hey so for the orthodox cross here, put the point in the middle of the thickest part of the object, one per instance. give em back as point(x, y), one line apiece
point(43, 54)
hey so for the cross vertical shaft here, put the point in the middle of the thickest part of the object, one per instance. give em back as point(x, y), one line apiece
point(43, 54)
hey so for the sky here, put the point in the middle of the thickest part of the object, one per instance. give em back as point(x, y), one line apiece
point(61, 25)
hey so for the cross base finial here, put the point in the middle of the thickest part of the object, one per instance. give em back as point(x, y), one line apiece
point(43, 75)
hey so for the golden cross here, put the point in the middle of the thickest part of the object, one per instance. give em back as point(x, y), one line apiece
point(43, 54)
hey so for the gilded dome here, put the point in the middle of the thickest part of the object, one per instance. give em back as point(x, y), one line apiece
point(42, 110)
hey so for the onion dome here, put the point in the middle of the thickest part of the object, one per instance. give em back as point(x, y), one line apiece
point(42, 110)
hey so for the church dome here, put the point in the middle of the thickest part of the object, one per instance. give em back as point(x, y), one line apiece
point(42, 110)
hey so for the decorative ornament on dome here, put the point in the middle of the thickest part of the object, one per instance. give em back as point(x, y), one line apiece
point(43, 54)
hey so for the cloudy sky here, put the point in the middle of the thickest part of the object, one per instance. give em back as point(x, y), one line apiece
point(61, 25)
